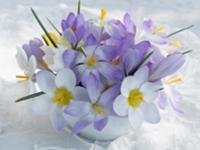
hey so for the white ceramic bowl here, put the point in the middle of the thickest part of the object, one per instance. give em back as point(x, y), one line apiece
point(115, 128)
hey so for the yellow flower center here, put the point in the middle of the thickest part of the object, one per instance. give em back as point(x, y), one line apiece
point(91, 61)
point(135, 98)
point(98, 109)
point(62, 96)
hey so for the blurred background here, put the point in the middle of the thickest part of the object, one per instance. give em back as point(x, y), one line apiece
point(21, 130)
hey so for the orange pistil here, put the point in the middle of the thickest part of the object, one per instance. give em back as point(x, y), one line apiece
point(74, 29)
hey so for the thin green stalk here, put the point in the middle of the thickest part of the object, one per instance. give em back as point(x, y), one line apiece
point(51, 23)
point(181, 30)
point(141, 63)
point(186, 52)
point(43, 28)
point(29, 97)
point(79, 7)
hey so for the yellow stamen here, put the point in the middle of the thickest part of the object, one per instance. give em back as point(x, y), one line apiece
point(98, 109)
point(62, 96)
point(102, 16)
point(22, 77)
point(174, 80)
point(158, 30)
point(135, 98)
point(91, 61)
point(176, 43)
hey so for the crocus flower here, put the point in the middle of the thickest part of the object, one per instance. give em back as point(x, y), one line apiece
point(73, 28)
point(58, 58)
point(169, 95)
point(96, 109)
point(153, 32)
point(28, 65)
point(34, 48)
point(60, 91)
point(136, 99)
point(122, 33)
point(167, 66)
point(94, 62)
point(135, 55)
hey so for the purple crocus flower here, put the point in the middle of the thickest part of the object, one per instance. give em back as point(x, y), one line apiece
point(167, 66)
point(122, 33)
point(154, 33)
point(97, 109)
point(94, 61)
point(34, 48)
point(73, 28)
point(94, 35)
point(135, 55)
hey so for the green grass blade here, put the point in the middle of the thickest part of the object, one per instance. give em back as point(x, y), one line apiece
point(186, 52)
point(181, 30)
point(45, 40)
point(141, 63)
point(29, 97)
point(43, 28)
point(79, 7)
point(55, 28)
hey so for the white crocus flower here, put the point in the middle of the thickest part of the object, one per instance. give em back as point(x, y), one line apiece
point(60, 91)
point(54, 57)
point(29, 65)
point(136, 99)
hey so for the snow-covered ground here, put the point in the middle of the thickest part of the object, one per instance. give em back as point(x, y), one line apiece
point(21, 130)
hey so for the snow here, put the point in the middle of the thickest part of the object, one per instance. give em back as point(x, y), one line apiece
point(22, 130)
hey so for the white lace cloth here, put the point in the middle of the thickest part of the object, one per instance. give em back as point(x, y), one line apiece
point(22, 130)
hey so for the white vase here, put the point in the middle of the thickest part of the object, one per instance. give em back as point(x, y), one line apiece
point(115, 128)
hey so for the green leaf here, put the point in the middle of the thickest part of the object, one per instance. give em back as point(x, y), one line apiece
point(181, 30)
point(141, 63)
point(43, 28)
point(51, 23)
point(79, 7)
point(29, 96)
point(188, 51)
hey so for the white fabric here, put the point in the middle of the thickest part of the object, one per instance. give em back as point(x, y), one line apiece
point(21, 130)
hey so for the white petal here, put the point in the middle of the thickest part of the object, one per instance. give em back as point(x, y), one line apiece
point(89, 50)
point(128, 84)
point(56, 117)
point(150, 91)
point(41, 105)
point(120, 106)
point(22, 58)
point(46, 81)
point(151, 113)
point(48, 50)
point(58, 62)
point(135, 117)
point(66, 78)
point(32, 65)
point(80, 93)
point(142, 75)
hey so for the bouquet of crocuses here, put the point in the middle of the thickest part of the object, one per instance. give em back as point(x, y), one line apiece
point(94, 69)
